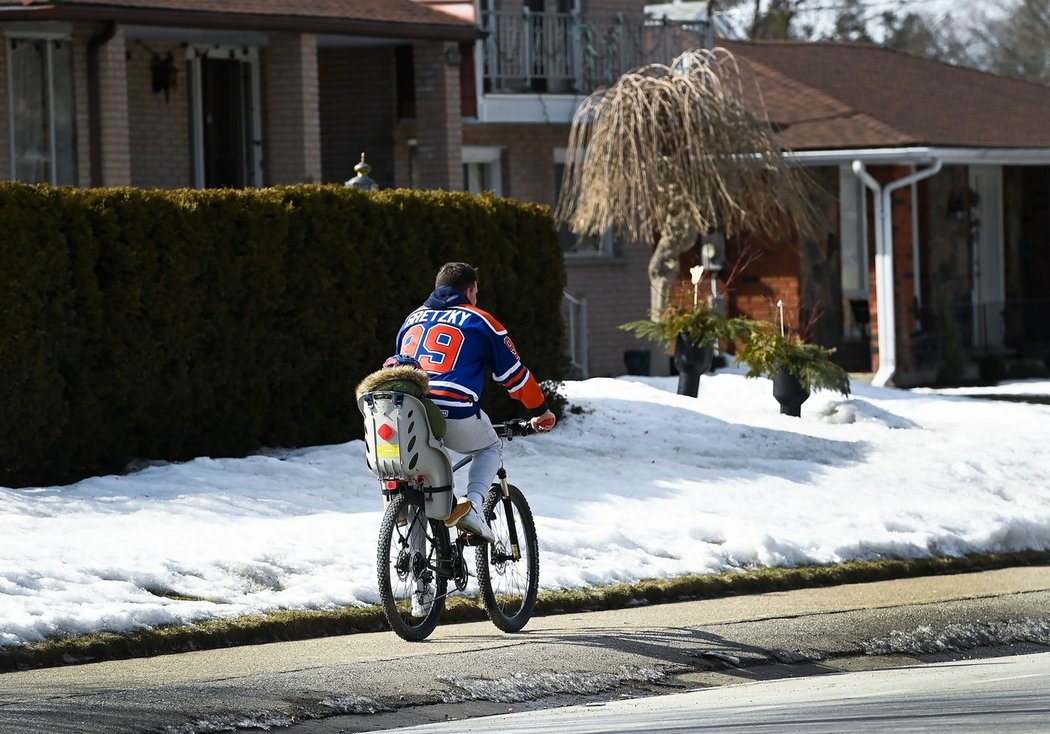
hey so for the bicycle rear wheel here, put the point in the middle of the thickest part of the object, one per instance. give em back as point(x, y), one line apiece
point(509, 573)
point(411, 554)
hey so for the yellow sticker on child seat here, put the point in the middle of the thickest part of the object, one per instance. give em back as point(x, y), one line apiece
point(388, 451)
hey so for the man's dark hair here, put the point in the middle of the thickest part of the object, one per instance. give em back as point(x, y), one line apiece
point(457, 275)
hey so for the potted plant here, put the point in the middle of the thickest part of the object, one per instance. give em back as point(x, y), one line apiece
point(690, 334)
point(796, 368)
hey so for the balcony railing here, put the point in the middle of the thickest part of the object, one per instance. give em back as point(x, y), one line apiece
point(573, 53)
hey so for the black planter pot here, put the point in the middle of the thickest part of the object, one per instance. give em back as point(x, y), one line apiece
point(691, 361)
point(789, 393)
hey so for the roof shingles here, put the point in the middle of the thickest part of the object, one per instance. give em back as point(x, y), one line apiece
point(381, 11)
point(830, 95)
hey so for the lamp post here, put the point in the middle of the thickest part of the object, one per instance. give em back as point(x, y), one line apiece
point(361, 180)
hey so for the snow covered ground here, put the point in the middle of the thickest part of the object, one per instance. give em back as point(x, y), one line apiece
point(637, 482)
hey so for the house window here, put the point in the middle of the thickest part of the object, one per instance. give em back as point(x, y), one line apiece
point(853, 228)
point(482, 170)
point(574, 245)
point(43, 133)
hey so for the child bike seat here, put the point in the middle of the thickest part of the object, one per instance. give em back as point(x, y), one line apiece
point(399, 443)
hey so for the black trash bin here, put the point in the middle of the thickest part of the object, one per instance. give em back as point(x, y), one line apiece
point(637, 362)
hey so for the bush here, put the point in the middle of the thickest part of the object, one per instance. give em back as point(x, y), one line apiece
point(174, 324)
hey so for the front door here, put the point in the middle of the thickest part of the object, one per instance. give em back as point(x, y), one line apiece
point(225, 118)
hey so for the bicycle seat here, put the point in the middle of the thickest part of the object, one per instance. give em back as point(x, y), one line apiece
point(399, 443)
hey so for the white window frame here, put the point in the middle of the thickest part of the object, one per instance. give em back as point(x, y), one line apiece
point(247, 54)
point(478, 155)
point(59, 32)
point(853, 221)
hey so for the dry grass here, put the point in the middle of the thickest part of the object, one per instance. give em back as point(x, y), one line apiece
point(298, 625)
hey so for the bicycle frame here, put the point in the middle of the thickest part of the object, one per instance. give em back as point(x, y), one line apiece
point(423, 576)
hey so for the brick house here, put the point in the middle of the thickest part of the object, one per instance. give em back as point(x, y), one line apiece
point(911, 292)
point(479, 95)
point(210, 93)
point(937, 178)
point(204, 93)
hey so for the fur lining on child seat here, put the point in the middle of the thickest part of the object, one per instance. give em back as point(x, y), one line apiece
point(391, 374)
point(414, 382)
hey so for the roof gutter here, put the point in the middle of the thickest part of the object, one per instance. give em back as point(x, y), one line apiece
point(924, 155)
point(461, 32)
point(885, 305)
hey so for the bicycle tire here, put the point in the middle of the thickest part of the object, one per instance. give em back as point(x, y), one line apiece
point(508, 586)
point(404, 571)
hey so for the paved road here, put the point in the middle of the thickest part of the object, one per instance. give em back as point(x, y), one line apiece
point(1006, 694)
point(375, 681)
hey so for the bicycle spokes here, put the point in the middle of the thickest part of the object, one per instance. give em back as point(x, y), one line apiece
point(412, 549)
point(508, 570)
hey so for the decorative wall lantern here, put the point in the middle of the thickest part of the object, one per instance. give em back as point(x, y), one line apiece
point(163, 72)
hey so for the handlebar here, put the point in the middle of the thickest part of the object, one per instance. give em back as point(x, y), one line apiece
point(510, 429)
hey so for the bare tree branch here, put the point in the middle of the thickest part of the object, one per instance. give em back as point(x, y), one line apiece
point(671, 152)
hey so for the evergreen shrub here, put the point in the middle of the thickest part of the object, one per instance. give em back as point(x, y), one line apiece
point(166, 325)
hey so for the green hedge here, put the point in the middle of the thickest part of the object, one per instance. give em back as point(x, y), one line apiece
point(173, 324)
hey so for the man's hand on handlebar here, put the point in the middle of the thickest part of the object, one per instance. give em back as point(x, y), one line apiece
point(543, 423)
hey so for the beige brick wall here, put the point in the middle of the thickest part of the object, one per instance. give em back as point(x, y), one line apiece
point(293, 135)
point(358, 108)
point(616, 291)
point(439, 131)
point(527, 158)
point(113, 112)
point(161, 140)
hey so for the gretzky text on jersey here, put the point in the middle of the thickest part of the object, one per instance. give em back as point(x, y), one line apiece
point(456, 346)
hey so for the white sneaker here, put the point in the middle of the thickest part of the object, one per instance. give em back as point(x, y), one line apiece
point(475, 524)
point(422, 602)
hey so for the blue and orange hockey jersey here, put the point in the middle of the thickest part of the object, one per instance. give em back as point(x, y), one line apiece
point(456, 343)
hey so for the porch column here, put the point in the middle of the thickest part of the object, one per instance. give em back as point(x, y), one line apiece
point(439, 123)
point(111, 160)
point(293, 145)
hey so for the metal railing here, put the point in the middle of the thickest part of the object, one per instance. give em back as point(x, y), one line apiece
point(574, 53)
point(574, 311)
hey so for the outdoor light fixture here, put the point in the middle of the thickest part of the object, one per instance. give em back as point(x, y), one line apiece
point(162, 74)
point(713, 251)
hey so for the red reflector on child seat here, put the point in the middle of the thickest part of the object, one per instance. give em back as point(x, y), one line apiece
point(390, 484)
point(385, 432)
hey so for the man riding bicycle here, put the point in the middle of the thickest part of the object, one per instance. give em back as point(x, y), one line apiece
point(456, 343)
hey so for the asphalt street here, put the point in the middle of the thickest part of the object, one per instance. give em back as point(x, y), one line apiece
point(1004, 694)
point(375, 681)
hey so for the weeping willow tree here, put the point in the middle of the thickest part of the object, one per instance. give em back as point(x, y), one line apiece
point(671, 152)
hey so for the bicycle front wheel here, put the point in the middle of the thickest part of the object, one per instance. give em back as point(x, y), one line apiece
point(509, 571)
point(412, 560)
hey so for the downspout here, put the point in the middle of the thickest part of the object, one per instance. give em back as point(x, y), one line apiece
point(97, 41)
point(885, 309)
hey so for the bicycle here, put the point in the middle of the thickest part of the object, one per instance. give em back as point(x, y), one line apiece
point(416, 557)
